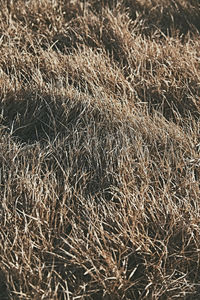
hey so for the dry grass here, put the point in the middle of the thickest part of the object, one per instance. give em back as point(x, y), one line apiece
point(99, 149)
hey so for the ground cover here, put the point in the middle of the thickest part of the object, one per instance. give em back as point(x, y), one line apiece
point(99, 149)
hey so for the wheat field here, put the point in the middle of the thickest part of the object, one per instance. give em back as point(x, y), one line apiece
point(100, 149)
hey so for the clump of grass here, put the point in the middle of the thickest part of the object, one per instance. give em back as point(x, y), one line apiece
point(99, 150)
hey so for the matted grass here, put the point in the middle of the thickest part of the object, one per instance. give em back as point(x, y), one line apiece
point(99, 149)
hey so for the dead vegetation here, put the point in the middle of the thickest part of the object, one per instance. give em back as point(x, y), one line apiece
point(99, 149)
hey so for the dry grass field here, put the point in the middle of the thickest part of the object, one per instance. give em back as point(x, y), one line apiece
point(100, 149)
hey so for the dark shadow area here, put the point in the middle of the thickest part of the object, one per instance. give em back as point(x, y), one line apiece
point(4, 291)
point(32, 117)
point(169, 17)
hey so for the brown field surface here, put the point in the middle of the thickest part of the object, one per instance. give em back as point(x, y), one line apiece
point(100, 150)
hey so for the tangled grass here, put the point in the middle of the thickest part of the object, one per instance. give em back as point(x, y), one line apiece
point(99, 149)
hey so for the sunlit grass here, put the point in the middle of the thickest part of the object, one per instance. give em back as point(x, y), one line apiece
point(99, 150)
